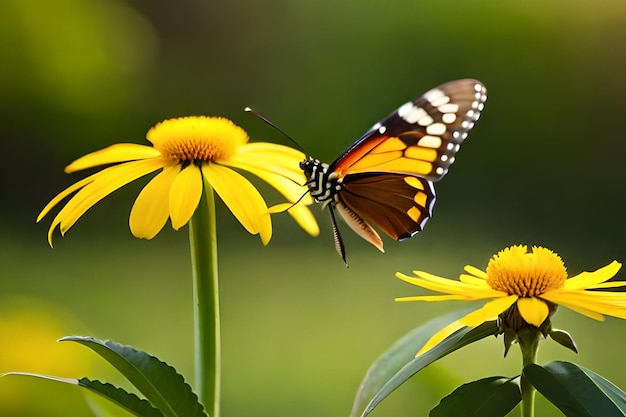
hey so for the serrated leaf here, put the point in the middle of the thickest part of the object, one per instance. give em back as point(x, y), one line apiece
point(489, 397)
point(118, 396)
point(157, 381)
point(398, 364)
point(126, 400)
point(577, 391)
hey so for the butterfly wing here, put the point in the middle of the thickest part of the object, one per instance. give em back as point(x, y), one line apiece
point(398, 204)
point(421, 137)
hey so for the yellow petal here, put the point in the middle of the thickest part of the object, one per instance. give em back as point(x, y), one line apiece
point(185, 195)
point(489, 311)
point(610, 284)
point(589, 279)
point(305, 219)
point(69, 190)
point(445, 285)
point(440, 336)
point(433, 298)
point(151, 209)
point(103, 184)
point(280, 159)
point(120, 152)
point(533, 310)
point(279, 173)
point(599, 302)
point(241, 198)
point(280, 208)
point(473, 280)
point(475, 271)
point(293, 192)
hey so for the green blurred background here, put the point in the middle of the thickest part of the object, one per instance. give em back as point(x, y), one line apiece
point(299, 329)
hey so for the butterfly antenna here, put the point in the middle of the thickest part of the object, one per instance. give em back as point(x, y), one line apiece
point(282, 132)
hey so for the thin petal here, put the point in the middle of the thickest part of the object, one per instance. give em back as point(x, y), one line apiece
point(533, 310)
point(120, 152)
point(241, 198)
point(305, 219)
point(440, 336)
point(293, 192)
point(489, 311)
point(601, 302)
point(610, 284)
point(434, 298)
point(151, 209)
point(445, 285)
point(272, 157)
point(69, 190)
point(584, 312)
point(473, 280)
point(280, 208)
point(277, 168)
point(589, 279)
point(475, 271)
point(103, 184)
point(185, 195)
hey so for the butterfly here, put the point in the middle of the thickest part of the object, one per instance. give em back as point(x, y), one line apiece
point(385, 178)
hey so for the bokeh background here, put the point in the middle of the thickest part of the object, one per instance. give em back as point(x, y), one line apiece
point(542, 167)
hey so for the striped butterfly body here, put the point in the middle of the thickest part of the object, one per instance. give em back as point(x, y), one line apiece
point(385, 178)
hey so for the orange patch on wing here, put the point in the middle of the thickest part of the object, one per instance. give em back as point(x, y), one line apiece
point(357, 153)
point(416, 152)
point(389, 145)
point(420, 198)
point(415, 214)
point(372, 162)
point(414, 182)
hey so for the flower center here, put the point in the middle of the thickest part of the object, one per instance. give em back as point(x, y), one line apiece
point(197, 138)
point(517, 272)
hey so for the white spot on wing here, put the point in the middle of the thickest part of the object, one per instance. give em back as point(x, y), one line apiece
point(425, 121)
point(441, 101)
point(436, 129)
point(448, 118)
point(448, 108)
point(429, 141)
point(413, 114)
point(434, 95)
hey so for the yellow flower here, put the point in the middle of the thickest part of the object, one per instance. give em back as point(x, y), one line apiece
point(189, 151)
point(533, 283)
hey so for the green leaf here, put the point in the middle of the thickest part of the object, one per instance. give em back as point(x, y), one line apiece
point(124, 399)
point(563, 338)
point(577, 391)
point(118, 396)
point(398, 364)
point(157, 381)
point(489, 397)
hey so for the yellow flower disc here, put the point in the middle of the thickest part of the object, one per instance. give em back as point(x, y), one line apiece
point(517, 272)
point(197, 138)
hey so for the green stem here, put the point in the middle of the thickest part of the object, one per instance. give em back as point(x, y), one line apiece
point(528, 339)
point(203, 242)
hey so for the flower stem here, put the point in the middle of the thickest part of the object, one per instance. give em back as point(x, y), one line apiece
point(203, 242)
point(528, 339)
